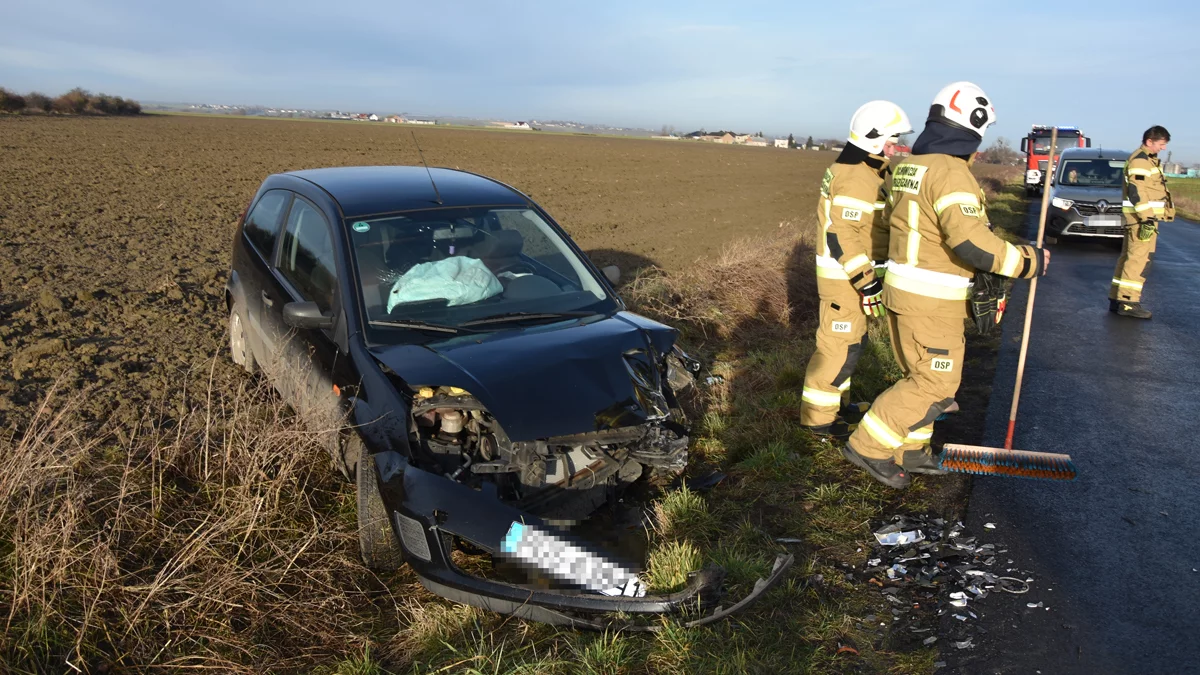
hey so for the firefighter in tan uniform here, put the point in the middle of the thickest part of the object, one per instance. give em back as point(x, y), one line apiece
point(1145, 203)
point(854, 235)
point(940, 238)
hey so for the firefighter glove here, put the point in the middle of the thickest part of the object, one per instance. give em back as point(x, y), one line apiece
point(1146, 230)
point(872, 299)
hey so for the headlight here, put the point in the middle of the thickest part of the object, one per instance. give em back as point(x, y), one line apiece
point(1063, 204)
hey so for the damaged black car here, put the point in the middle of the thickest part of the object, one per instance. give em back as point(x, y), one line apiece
point(474, 374)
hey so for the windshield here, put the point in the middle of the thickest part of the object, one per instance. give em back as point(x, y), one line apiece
point(1091, 172)
point(1041, 144)
point(449, 267)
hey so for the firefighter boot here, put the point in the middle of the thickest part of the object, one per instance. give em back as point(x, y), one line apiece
point(1126, 308)
point(852, 413)
point(837, 430)
point(883, 470)
point(923, 461)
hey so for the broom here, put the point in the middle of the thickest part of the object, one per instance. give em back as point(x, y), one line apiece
point(1008, 462)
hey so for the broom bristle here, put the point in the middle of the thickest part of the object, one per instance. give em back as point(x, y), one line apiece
point(1017, 463)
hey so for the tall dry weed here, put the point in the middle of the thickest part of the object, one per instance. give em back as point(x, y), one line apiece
point(756, 287)
point(220, 542)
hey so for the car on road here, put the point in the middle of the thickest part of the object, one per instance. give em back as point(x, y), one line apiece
point(479, 379)
point(1085, 196)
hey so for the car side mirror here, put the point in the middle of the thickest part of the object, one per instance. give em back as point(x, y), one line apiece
point(612, 273)
point(306, 315)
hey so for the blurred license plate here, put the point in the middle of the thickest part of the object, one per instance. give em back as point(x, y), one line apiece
point(1103, 221)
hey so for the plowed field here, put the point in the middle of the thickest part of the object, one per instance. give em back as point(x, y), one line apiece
point(115, 233)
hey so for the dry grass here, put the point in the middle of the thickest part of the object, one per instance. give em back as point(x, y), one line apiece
point(755, 287)
point(1186, 194)
point(218, 542)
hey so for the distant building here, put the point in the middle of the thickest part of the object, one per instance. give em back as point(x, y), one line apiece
point(758, 142)
point(411, 121)
point(781, 142)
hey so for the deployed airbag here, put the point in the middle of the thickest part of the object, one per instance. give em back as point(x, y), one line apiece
point(459, 279)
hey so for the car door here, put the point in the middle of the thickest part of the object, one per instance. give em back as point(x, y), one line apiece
point(253, 261)
point(306, 360)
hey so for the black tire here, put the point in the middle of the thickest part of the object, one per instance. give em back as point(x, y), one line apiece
point(376, 539)
point(239, 346)
point(1029, 192)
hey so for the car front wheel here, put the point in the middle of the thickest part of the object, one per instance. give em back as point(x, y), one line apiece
point(239, 347)
point(376, 539)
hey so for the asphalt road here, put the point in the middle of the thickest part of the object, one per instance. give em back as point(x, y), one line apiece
point(1115, 553)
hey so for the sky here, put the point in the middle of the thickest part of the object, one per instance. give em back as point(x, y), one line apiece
point(776, 67)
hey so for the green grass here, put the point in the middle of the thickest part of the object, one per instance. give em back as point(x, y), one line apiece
point(1186, 193)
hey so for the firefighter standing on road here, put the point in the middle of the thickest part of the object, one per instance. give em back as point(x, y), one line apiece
point(939, 239)
point(854, 235)
point(1145, 203)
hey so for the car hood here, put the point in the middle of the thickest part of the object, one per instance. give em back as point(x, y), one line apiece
point(550, 380)
point(1089, 194)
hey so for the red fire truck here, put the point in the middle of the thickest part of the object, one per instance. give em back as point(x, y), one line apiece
point(1036, 146)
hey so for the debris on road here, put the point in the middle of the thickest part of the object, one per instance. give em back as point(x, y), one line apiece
point(926, 568)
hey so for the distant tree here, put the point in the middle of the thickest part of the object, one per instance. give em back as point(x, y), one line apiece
point(72, 102)
point(808, 143)
point(38, 101)
point(791, 142)
point(10, 101)
point(1001, 153)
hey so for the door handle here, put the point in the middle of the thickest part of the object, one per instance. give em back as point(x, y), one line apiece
point(267, 300)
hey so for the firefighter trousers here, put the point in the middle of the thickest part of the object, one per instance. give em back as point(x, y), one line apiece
point(841, 338)
point(1132, 267)
point(930, 352)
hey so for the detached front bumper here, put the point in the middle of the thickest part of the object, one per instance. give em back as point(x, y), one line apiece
point(428, 510)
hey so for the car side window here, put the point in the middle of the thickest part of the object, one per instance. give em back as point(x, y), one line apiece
point(262, 225)
point(307, 259)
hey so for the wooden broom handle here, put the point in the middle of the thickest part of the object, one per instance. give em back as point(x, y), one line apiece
point(1012, 415)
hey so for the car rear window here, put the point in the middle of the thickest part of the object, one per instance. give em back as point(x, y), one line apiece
point(262, 225)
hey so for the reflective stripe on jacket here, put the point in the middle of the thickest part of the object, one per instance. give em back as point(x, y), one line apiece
point(940, 238)
point(1145, 195)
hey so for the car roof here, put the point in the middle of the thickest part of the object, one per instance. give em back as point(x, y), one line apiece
point(367, 190)
point(1094, 153)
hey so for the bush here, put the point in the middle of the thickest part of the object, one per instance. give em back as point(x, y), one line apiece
point(75, 102)
point(11, 102)
point(38, 102)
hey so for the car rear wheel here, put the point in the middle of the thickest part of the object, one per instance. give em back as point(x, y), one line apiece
point(239, 347)
point(376, 539)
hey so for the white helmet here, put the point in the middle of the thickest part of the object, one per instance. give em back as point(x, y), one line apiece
point(875, 122)
point(963, 105)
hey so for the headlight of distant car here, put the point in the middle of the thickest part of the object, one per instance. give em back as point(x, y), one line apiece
point(1063, 204)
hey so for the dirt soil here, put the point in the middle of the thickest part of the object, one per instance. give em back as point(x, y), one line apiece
point(115, 232)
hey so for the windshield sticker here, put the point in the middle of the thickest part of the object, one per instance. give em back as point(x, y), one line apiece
point(908, 178)
point(361, 226)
